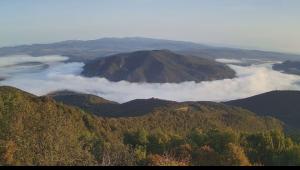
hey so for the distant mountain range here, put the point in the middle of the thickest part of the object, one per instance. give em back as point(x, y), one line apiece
point(283, 105)
point(157, 66)
point(79, 50)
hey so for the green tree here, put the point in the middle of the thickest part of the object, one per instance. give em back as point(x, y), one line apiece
point(216, 139)
point(267, 148)
point(158, 142)
point(136, 138)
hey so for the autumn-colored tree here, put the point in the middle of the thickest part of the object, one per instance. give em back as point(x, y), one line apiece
point(206, 156)
point(165, 160)
point(8, 154)
point(184, 151)
point(236, 156)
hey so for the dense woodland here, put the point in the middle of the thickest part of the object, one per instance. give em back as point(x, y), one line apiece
point(40, 131)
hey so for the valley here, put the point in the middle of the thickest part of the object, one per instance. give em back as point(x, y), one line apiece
point(150, 107)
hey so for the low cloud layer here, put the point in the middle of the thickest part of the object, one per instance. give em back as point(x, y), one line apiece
point(18, 59)
point(20, 64)
point(225, 60)
point(251, 80)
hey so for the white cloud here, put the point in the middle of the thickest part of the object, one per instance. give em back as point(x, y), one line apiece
point(231, 61)
point(17, 59)
point(20, 64)
point(251, 80)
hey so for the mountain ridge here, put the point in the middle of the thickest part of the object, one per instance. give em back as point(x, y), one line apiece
point(283, 105)
point(105, 108)
point(85, 50)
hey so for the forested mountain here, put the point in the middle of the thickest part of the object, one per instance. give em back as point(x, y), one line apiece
point(40, 131)
point(157, 66)
point(283, 105)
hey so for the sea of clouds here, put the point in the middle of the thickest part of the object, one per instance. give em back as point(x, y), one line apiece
point(61, 75)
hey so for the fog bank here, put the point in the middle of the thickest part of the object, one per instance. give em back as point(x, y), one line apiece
point(251, 80)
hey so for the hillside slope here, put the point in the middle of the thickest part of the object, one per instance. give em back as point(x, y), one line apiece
point(183, 117)
point(283, 105)
point(38, 131)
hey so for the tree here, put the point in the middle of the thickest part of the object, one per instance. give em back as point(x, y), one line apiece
point(140, 153)
point(206, 156)
point(267, 148)
point(291, 157)
point(158, 142)
point(236, 156)
point(165, 160)
point(136, 138)
point(9, 151)
point(216, 139)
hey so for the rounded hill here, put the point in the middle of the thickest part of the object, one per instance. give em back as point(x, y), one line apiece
point(157, 66)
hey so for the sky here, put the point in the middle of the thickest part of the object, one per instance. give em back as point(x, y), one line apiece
point(255, 24)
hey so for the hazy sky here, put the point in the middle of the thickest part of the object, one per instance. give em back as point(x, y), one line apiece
point(261, 24)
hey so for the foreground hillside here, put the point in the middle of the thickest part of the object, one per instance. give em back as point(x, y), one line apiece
point(283, 105)
point(157, 66)
point(39, 131)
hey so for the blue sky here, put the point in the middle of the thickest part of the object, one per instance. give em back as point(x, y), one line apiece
point(260, 24)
